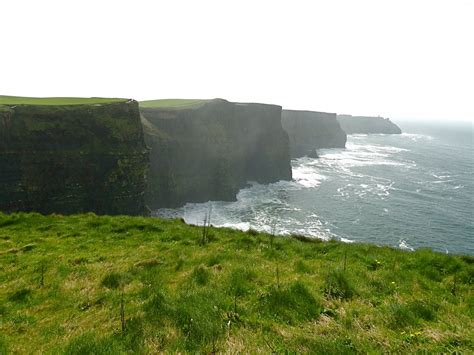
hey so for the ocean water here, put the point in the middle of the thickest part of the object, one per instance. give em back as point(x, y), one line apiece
point(414, 190)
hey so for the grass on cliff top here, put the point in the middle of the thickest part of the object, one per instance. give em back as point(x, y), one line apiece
point(171, 103)
point(18, 100)
point(110, 285)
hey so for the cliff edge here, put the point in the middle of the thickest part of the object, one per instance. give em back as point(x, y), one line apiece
point(310, 130)
point(71, 155)
point(367, 125)
point(208, 150)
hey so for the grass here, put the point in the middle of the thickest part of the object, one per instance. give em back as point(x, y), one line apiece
point(19, 100)
point(171, 103)
point(80, 276)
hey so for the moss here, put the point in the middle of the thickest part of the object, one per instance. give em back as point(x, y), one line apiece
point(19, 100)
point(172, 103)
point(73, 158)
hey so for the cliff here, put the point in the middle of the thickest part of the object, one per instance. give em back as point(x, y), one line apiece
point(366, 125)
point(309, 130)
point(208, 150)
point(72, 155)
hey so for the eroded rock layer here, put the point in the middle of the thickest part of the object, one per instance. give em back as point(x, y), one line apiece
point(72, 158)
point(367, 125)
point(310, 130)
point(208, 151)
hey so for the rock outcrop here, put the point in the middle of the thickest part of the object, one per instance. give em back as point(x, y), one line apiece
point(209, 150)
point(310, 130)
point(367, 125)
point(72, 158)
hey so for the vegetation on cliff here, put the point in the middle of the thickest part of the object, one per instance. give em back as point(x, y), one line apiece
point(171, 103)
point(85, 284)
point(21, 100)
point(71, 155)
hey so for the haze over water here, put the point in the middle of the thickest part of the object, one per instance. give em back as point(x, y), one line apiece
point(411, 191)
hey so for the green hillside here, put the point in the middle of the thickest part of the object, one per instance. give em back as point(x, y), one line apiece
point(18, 100)
point(171, 103)
point(108, 285)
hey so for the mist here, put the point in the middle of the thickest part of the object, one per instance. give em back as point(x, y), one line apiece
point(402, 60)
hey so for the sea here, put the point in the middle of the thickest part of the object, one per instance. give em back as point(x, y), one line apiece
point(409, 191)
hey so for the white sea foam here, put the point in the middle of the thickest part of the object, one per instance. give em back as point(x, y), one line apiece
point(343, 192)
point(402, 244)
point(307, 176)
point(415, 137)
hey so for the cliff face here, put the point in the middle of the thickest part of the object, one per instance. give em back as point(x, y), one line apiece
point(208, 151)
point(72, 158)
point(366, 125)
point(309, 130)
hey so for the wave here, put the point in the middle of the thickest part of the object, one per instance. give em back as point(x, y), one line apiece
point(415, 137)
point(402, 244)
point(375, 190)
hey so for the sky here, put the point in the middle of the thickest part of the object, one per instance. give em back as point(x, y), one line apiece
point(407, 59)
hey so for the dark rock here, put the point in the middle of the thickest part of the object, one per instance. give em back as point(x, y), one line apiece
point(313, 154)
point(210, 150)
point(367, 125)
point(310, 130)
point(72, 158)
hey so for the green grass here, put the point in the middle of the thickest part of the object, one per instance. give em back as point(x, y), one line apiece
point(18, 100)
point(64, 280)
point(171, 103)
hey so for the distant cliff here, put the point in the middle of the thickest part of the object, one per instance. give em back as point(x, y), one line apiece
point(71, 158)
point(366, 125)
point(310, 130)
point(208, 150)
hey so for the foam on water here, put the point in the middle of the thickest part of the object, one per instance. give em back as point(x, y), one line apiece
point(404, 245)
point(382, 189)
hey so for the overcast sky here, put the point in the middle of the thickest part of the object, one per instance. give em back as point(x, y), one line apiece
point(400, 58)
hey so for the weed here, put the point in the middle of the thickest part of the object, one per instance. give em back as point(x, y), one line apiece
point(200, 275)
point(28, 247)
point(213, 260)
point(374, 264)
point(157, 308)
point(400, 316)
point(301, 267)
point(3, 345)
point(199, 316)
point(423, 310)
point(21, 295)
point(238, 284)
point(290, 304)
point(89, 344)
point(149, 263)
point(179, 264)
point(114, 280)
point(305, 239)
point(252, 231)
point(337, 285)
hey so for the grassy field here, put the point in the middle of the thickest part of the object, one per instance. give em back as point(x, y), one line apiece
point(18, 100)
point(171, 103)
point(108, 285)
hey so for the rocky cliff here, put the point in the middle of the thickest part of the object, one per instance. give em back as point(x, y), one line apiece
point(366, 125)
point(209, 150)
point(309, 130)
point(71, 158)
